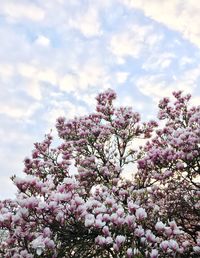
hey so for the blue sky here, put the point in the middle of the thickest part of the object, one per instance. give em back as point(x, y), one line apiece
point(56, 55)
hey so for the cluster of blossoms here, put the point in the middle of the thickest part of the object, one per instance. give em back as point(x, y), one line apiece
point(74, 201)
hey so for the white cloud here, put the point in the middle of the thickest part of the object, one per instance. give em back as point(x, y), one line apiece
point(33, 89)
point(33, 76)
point(195, 100)
point(17, 110)
point(132, 40)
point(84, 76)
point(89, 99)
point(121, 77)
point(7, 188)
point(27, 70)
point(37, 73)
point(87, 22)
point(186, 60)
point(14, 136)
point(130, 101)
point(93, 74)
point(16, 10)
point(63, 108)
point(13, 149)
point(158, 61)
point(124, 45)
point(42, 41)
point(6, 71)
point(182, 16)
point(156, 86)
point(190, 77)
point(68, 83)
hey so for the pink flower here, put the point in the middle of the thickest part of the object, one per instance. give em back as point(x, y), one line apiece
point(141, 214)
point(173, 245)
point(139, 231)
point(154, 253)
point(196, 249)
point(129, 252)
point(100, 240)
point(120, 240)
point(159, 226)
point(132, 206)
point(99, 223)
point(150, 236)
point(164, 245)
point(89, 220)
point(109, 240)
point(168, 231)
point(106, 231)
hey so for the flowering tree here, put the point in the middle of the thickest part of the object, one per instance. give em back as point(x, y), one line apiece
point(74, 201)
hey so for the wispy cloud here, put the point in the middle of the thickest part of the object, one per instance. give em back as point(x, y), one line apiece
point(22, 10)
point(159, 61)
point(159, 85)
point(132, 41)
point(182, 16)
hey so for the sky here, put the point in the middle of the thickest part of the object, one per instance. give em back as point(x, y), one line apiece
point(57, 55)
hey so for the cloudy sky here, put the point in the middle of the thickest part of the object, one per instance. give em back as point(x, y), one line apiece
point(56, 55)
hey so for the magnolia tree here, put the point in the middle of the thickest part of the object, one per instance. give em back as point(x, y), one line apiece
point(74, 201)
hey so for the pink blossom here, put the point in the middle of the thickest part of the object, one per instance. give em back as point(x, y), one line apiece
point(141, 214)
point(75, 201)
point(120, 240)
point(154, 253)
point(129, 252)
point(196, 249)
point(164, 245)
point(159, 226)
point(173, 245)
point(139, 231)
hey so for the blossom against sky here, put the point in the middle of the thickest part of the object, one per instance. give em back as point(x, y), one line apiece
point(56, 55)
